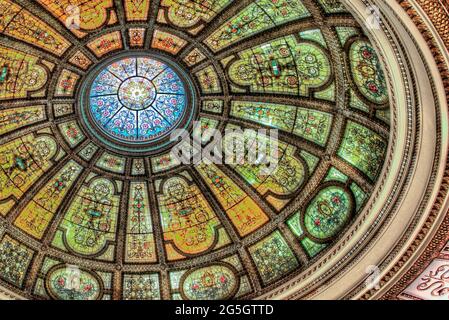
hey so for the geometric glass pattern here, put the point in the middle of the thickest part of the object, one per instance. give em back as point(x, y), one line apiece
point(137, 99)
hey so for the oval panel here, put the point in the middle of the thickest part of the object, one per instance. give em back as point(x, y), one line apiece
point(69, 283)
point(214, 282)
point(328, 212)
point(43, 148)
point(367, 72)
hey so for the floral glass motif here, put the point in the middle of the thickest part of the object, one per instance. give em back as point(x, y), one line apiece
point(140, 244)
point(281, 66)
point(37, 215)
point(137, 99)
point(90, 221)
point(367, 72)
point(309, 124)
point(189, 13)
point(243, 211)
point(68, 283)
point(106, 43)
point(89, 15)
point(137, 10)
point(14, 118)
point(22, 162)
point(287, 176)
point(187, 219)
point(328, 213)
point(214, 282)
point(21, 74)
point(21, 24)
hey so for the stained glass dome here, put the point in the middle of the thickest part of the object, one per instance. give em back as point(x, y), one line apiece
point(137, 99)
point(90, 188)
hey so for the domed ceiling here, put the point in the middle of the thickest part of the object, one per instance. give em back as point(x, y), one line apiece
point(90, 93)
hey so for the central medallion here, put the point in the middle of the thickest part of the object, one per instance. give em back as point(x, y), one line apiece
point(138, 100)
point(137, 93)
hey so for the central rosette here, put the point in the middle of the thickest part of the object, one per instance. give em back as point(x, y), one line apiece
point(138, 99)
point(137, 93)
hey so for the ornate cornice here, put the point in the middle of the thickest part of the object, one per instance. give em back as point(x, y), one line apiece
point(438, 13)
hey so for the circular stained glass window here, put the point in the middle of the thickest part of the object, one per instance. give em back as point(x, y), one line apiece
point(137, 99)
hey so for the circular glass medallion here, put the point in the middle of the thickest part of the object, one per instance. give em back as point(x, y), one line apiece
point(137, 99)
point(137, 93)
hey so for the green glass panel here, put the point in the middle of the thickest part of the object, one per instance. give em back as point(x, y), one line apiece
point(273, 257)
point(336, 175)
point(313, 35)
point(363, 148)
point(312, 248)
point(294, 224)
point(384, 115)
point(312, 125)
point(309, 124)
point(311, 160)
point(216, 282)
point(332, 6)
point(269, 114)
point(358, 104)
point(367, 72)
point(359, 194)
point(281, 66)
point(327, 94)
point(60, 284)
point(328, 213)
point(260, 15)
point(344, 33)
point(141, 287)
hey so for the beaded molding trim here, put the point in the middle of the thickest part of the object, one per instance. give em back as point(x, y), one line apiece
point(438, 13)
